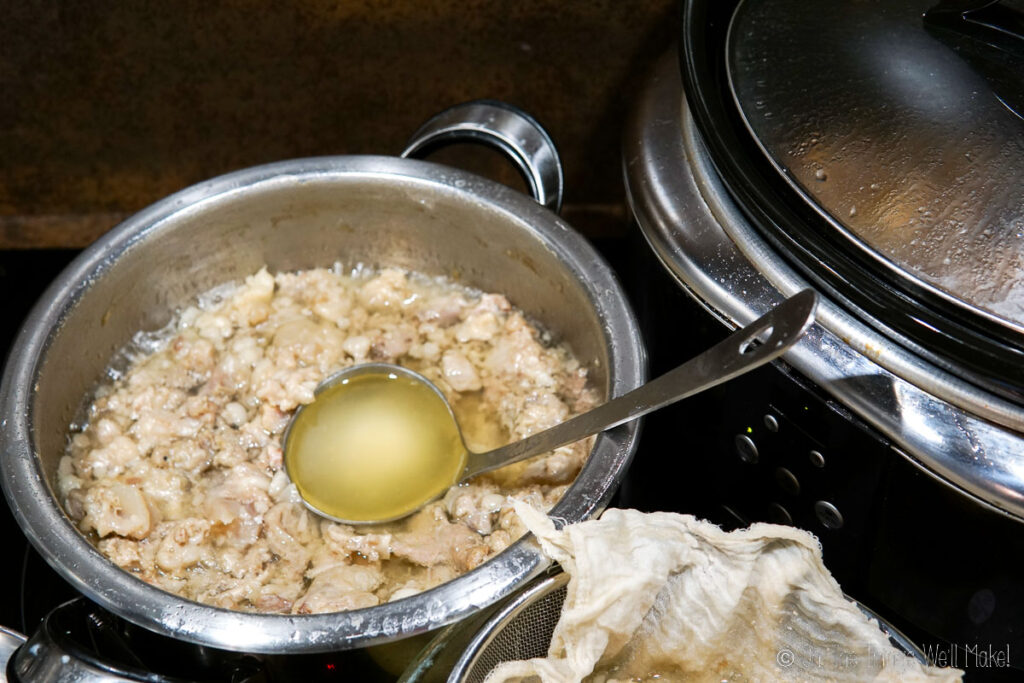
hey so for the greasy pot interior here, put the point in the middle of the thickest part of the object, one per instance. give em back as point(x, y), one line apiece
point(289, 224)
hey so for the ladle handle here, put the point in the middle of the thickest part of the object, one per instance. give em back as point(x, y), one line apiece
point(749, 347)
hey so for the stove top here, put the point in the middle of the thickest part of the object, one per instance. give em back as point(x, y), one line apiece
point(75, 625)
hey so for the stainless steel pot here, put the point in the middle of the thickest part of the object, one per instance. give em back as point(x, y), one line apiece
point(375, 210)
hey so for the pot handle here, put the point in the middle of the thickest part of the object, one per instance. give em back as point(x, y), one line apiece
point(506, 128)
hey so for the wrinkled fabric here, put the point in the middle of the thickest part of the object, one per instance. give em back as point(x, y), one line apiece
point(668, 597)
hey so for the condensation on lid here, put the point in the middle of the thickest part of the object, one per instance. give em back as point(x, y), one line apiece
point(901, 137)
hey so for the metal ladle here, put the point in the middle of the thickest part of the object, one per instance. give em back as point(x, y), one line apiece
point(747, 348)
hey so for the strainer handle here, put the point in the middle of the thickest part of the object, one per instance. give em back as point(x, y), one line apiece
point(508, 129)
point(749, 347)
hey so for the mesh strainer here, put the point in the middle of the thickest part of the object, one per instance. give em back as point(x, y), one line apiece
point(522, 629)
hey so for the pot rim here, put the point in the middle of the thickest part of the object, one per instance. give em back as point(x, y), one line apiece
point(72, 556)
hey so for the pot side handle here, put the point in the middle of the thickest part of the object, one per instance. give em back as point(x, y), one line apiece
point(506, 128)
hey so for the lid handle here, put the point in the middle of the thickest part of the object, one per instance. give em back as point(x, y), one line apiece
point(989, 36)
point(990, 21)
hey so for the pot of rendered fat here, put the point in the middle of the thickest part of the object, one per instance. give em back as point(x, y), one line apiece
point(381, 212)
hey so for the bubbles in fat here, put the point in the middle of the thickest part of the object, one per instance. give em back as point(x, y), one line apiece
point(217, 295)
point(362, 270)
point(148, 342)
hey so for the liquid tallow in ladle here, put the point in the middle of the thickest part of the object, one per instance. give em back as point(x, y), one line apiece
point(380, 441)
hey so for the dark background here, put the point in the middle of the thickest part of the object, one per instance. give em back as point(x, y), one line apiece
point(108, 106)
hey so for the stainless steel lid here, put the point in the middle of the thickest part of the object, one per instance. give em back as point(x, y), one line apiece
point(907, 149)
point(880, 147)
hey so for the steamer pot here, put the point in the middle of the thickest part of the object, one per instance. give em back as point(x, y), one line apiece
point(374, 210)
point(907, 462)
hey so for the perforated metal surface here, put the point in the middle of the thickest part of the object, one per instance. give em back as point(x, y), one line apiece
point(520, 630)
point(525, 636)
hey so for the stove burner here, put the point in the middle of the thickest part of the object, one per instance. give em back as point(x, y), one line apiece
point(84, 642)
point(10, 641)
point(90, 644)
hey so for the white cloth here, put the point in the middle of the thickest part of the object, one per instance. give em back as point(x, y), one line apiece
point(669, 595)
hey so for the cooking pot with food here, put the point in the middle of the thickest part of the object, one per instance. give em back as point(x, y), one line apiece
point(353, 214)
point(874, 151)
